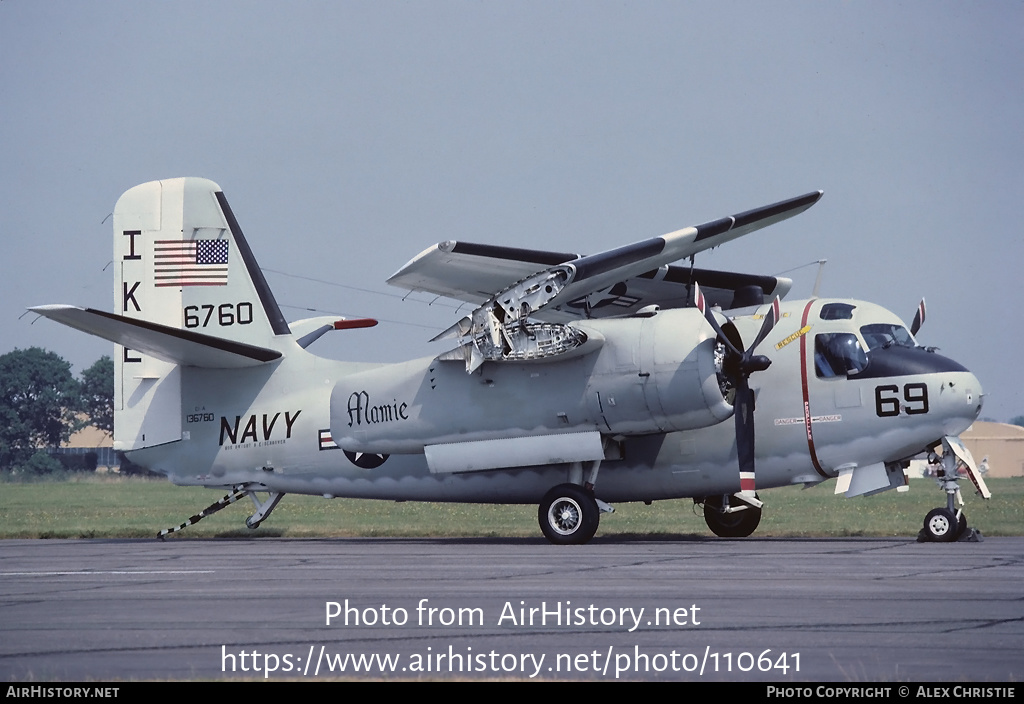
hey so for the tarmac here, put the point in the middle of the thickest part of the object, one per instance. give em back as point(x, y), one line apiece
point(703, 609)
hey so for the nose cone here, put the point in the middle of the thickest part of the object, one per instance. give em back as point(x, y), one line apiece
point(935, 388)
point(975, 384)
point(959, 402)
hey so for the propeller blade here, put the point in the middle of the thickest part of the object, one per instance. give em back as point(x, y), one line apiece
point(918, 318)
point(744, 414)
point(771, 319)
point(705, 310)
point(738, 367)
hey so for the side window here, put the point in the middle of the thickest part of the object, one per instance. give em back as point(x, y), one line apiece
point(838, 354)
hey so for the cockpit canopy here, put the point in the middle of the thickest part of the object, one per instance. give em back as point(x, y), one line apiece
point(847, 353)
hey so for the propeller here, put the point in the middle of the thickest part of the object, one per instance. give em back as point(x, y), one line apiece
point(737, 368)
point(918, 319)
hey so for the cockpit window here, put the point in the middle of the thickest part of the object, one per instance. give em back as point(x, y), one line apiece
point(886, 335)
point(837, 311)
point(838, 354)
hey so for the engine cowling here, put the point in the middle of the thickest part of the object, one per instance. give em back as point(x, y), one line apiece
point(661, 378)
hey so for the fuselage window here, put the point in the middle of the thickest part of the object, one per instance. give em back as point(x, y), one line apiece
point(838, 354)
point(836, 311)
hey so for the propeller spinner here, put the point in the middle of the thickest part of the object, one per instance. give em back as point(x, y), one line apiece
point(737, 368)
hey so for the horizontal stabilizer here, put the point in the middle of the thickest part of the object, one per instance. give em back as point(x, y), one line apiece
point(308, 331)
point(184, 347)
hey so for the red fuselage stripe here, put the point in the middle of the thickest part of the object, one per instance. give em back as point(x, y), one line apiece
point(803, 384)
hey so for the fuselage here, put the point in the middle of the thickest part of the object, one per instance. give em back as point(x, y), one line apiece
point(847, 386)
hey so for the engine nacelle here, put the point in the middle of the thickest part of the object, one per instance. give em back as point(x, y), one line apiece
point(650, 375)
point(659, 376)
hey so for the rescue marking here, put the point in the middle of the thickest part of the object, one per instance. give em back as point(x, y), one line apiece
point(802, 331)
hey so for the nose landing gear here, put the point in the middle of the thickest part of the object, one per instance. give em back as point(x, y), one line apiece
point(942, 525)
point(945, 525)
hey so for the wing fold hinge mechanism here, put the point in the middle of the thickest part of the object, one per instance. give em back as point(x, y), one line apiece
point(500, 330)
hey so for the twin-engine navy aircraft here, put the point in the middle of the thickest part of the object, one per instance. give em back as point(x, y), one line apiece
point(576, 382)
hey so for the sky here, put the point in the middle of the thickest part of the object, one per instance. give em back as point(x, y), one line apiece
point(349, 136)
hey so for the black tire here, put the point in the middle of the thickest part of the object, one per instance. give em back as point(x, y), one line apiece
point(940, 525)
point(961, 527)
point(568, 515)
point(730, 525)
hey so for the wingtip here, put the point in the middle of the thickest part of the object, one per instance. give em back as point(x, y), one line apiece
point(51, 310)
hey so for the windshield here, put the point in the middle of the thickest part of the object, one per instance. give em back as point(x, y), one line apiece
point(886, 335)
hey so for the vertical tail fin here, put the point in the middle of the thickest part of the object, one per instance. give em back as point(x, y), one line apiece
point(181, 261)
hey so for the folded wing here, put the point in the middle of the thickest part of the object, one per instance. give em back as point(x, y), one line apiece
point(559, 286)
point(471, 272)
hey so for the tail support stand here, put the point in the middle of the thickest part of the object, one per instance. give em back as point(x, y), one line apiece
point(263, 509)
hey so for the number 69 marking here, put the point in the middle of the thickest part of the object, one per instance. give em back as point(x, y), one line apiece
point(887, 399)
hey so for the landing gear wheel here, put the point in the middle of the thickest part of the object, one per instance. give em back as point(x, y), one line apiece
point(730, 525)
point(568, 515)
point(941, 525)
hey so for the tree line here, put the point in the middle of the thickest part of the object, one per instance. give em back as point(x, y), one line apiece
point(42, 404)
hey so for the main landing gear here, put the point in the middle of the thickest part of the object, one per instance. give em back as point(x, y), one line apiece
point(732, 516)
point(569, 513)
point(263, 507)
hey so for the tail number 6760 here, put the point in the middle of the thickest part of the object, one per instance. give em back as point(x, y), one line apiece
point(227, 314)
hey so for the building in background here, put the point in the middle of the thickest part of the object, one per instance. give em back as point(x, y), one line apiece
point(1001, 444)
point(90, 440)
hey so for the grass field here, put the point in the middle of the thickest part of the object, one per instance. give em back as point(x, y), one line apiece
point(113, 507)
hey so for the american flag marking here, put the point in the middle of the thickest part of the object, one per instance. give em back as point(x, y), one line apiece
point(190, 263)
point(326, 441)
